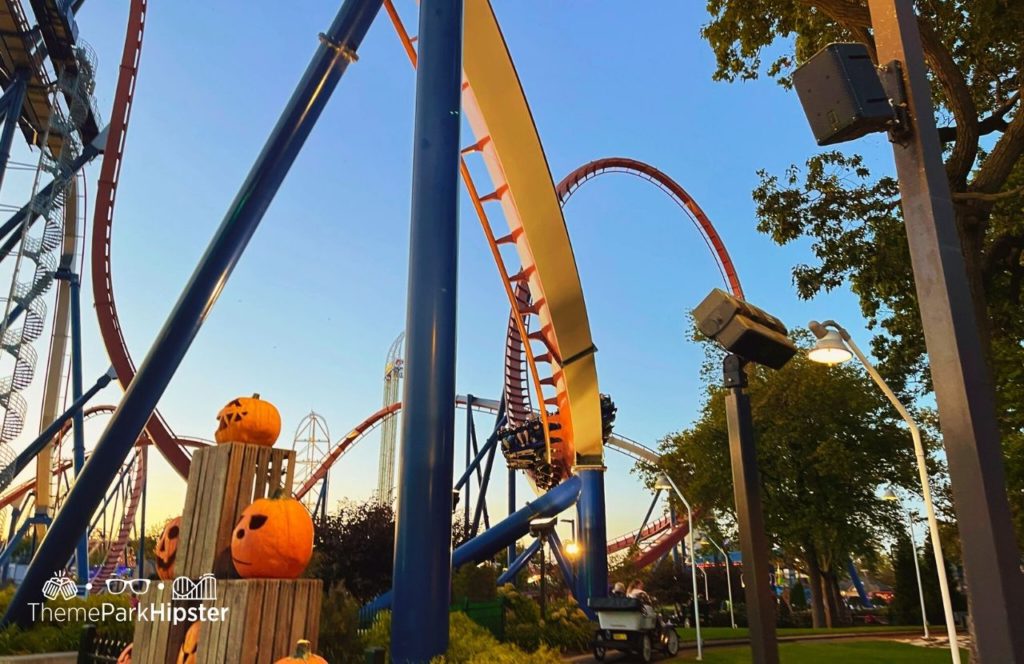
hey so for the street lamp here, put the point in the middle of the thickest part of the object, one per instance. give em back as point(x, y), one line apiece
point(728, 575)
point(826, 347)
point(891, 495)
point(665, 483)
point(541, 528)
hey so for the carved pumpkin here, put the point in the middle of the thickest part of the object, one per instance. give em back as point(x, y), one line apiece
point(248, 420)
point(273, 539)
point(126, 655)
point(187, 654)
point(167, 549)
point(303, 655)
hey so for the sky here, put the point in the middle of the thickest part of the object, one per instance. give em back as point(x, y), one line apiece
point(307, 317)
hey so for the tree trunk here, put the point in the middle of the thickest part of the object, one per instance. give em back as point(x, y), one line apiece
point(831, 619)
point(814, 574)
point(839, 613)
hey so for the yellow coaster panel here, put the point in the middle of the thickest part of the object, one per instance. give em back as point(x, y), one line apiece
point(496, 108)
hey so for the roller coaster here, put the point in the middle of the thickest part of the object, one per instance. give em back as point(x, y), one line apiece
point(552, 422)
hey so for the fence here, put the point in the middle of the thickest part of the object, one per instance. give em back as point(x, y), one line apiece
point(94, 649)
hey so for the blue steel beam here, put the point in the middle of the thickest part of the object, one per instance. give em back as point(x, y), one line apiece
point(647, 517)
point(509, 575)
point(593, 567)
point(506, 532)
point(29, 213)
point(11, 103)
point(82, 553)
point(336, 50)
point(43, 439)
point(423, 532)
point(565, 566)
point(481, 500)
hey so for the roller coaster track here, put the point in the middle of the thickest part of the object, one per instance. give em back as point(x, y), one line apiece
point(506, 139)
point(173, 448)
point(135, 470)
point(517, 393)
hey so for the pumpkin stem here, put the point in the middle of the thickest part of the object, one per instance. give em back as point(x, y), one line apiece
point(280, 493)
point(255, 395)
point(302, 648)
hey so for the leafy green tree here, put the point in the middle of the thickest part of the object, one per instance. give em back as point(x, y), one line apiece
point(354, 547)
point(826, 440)
point(906, 604)
point(974, 49)
point(798, 596)
point(930, 583)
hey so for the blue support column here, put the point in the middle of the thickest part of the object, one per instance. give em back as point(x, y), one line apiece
point(510, 553)
point(140, 558)
point(336, 49)
point(422, 571)
point(11, 102)
point(593, 568)
point(78, 424)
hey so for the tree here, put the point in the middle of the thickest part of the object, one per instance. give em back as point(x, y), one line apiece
point(826, 440)
point(906, 605)
point(930, 583)
point(355, 547)
point(974, 49)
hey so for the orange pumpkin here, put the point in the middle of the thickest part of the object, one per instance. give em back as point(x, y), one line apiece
point(187, 653)
point(126, 655)
point(273, 539)
point(167, 549)
point(303, 655)
point(248, 420)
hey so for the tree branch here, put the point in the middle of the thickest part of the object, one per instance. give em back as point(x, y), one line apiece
point(988, 125)
point(1004, 156)
point(987, 197)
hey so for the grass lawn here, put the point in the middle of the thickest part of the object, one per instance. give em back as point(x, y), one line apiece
point(854, 652)
point(719, 633)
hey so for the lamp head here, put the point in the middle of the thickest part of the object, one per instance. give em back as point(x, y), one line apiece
point(889, 494)
point(830, 347)
point(662, 483)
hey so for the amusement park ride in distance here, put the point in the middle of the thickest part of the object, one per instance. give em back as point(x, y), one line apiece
point(552, 422)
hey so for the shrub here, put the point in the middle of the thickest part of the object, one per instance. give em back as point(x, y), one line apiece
point(50, 636)
point(471, 644)
point(475, 583)
point(566, 627)
point(339, 627)
point(798, 596)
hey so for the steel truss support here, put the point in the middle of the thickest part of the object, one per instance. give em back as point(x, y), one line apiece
point(10, 109)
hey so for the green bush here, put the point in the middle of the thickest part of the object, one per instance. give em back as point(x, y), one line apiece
point(475, 583)
point(566, 628)
point(468, 643)
point(50, 636)
point(340, 642)
point(798, 596)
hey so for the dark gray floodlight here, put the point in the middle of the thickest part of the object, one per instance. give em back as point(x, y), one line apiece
point(744, 330)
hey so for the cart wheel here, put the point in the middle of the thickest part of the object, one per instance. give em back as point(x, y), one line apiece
point(599, 653)
point(671, 641)
point(646, 653)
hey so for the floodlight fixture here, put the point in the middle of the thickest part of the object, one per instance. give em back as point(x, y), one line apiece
point(744, 330)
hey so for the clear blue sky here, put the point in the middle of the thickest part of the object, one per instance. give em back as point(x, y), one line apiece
point(307, 317)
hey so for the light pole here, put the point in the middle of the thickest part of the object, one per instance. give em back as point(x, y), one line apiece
point(707, 597)
point(891, 495)
point(728, 576)
point(665, 483)
point(835, 346)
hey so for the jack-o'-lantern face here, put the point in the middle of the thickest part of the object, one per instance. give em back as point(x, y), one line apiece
point(187, 654)
point(248, 420)
point(273, 539)
point(126, 655)
point(167, 549)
